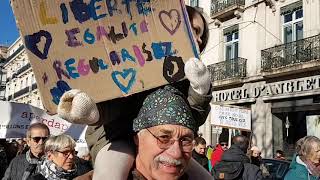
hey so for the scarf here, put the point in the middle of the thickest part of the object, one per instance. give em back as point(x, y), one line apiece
point(315, 170)
point(51, 172)
point(312, 169)
point(31, 159)
point(33, 162)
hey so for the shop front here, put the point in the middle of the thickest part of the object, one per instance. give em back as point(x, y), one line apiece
point(281, 111)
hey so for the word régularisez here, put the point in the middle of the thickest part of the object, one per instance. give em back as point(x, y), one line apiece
point(74, 70)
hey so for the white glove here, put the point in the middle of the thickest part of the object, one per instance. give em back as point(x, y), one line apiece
point(77, 107)
point(198, 75)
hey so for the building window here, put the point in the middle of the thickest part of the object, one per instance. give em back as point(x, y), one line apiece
point(292, 17)
point(21, 84)
point(194, 3)
point(27, 82)
point(231, 37)
point(33, 80)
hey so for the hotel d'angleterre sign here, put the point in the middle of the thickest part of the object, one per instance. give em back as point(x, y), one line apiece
point(294, 87)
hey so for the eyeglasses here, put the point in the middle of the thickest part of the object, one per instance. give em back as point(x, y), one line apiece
point(67, 152)
point(223, 144)
point(37, 139)
point(165, 141)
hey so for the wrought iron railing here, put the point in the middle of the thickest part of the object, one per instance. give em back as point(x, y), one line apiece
point(15, 53)
point(220, 5)
point(22, 91)
point(23, 68)
point(292, 53)
point(234, 68)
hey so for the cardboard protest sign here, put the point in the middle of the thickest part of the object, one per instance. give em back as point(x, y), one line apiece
point(233, 117)
point(16, 119)
point(107, 48)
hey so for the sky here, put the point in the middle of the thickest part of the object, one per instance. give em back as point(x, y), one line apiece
point(8, 29)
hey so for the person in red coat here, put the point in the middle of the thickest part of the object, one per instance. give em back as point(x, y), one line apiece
point(220, 148)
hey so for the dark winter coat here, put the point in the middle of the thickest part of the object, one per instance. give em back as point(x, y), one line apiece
point(17, 168)
point(37, 176)
point(83, 166)
point(201, 159)
point(3, 161)
point(236, 165)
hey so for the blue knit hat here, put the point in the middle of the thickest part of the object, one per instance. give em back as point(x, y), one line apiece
point(165, 106)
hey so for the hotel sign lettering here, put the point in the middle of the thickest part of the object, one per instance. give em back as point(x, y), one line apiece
point(269, 90)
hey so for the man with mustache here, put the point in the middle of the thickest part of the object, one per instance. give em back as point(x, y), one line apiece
point(24, 165)
point(165, 130)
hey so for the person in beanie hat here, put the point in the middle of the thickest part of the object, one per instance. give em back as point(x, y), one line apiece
point(220, 148)
point(165, 131)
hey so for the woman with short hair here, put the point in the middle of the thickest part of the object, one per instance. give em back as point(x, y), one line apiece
point(306, 163)
point(59, 162)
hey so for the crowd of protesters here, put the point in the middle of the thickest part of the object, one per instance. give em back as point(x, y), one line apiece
point(151, 135)
point(31, 157)
point(41, 156)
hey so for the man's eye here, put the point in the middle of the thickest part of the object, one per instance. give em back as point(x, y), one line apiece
point(164, 138)
point(186, 141)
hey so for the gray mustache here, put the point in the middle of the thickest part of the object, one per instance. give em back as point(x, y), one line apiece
point(168, 160)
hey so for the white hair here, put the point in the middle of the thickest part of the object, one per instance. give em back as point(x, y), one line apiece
point(56, 143)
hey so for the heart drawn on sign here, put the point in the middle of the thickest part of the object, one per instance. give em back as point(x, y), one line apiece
point(32, 41)
point(126, 74)
point(170, 20)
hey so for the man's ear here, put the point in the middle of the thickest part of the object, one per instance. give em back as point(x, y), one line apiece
point(28, 141)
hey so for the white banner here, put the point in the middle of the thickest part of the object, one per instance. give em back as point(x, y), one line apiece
point(15, 118)
point(313, 125)
point(231, 117)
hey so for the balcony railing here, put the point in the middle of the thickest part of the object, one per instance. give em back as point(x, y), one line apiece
point(218, 6)
point(15, 53)
point(22, 91)
point(290, 54)
point(23, 68)
point(230, 69)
